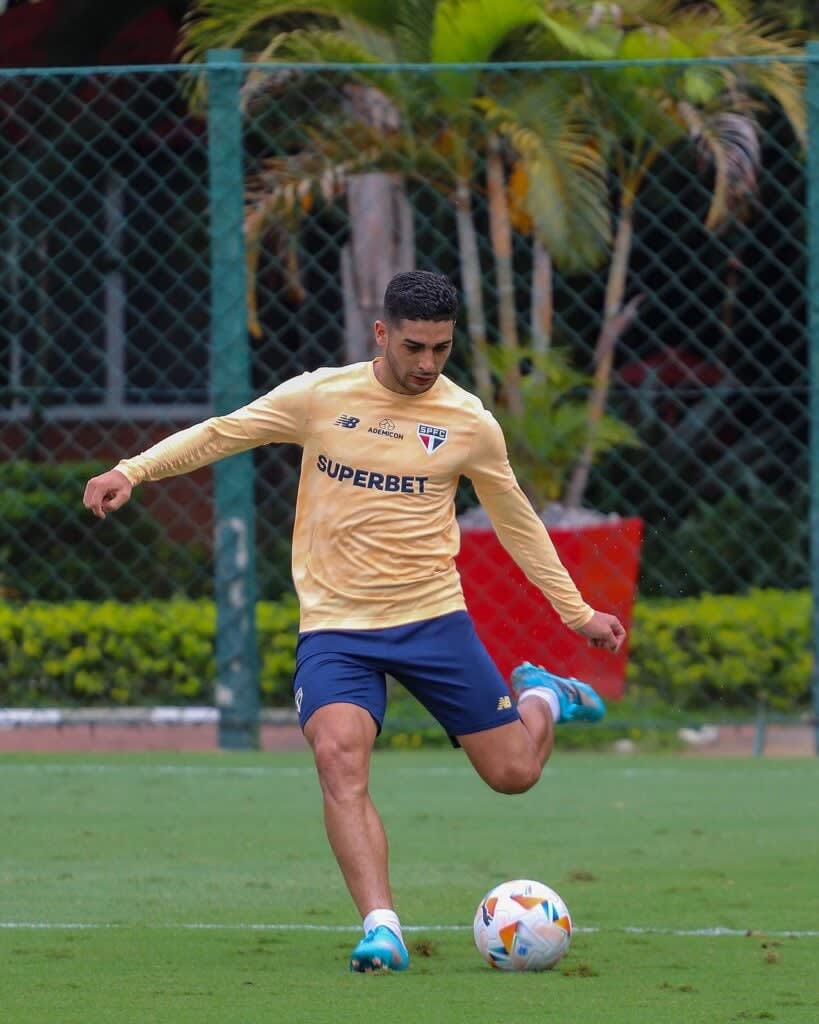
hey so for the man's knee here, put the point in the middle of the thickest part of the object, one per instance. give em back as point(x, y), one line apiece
point(504, 757)
point(338, 750)
point(341, 749)
point(513, 778)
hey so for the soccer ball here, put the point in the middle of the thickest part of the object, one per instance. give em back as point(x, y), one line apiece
point(522, 926)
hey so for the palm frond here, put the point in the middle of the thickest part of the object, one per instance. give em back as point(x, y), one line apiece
point(215, 24)
point(320, 170)
point(318, 46)
point(584, 41)
point(276, 200)
point(373, 40)
point(784, 83)
point(730, 143)
point(469, 31)
point(414, 24)
point(559, 178)
point(734, 12)
point(223, 24)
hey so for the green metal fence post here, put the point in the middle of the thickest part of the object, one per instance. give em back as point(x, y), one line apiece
point(813, 334)
point(237, 677)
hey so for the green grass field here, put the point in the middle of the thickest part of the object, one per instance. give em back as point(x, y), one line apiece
point(199, 888)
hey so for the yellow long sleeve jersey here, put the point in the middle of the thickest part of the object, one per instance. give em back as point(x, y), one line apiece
point(375, 535)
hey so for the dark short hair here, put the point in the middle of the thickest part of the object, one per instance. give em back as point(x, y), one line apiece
point(420, 295)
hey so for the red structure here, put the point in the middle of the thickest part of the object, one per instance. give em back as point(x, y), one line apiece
point(517, 623)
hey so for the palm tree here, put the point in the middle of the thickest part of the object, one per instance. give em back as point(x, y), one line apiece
point(556, 192)
point(548, 141)
point(641, 112)
point(625, 119)
point(434, 125)
point(381, 238)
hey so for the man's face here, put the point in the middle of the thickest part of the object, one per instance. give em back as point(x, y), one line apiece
point(415, 353)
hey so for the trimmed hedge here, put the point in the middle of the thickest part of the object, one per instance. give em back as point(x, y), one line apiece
point(723, 650)
point(706, 652)
point(156, 652)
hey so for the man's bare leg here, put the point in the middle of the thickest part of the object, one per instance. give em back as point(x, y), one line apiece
point(538, 721)
point(510, 757)
point(342, 737)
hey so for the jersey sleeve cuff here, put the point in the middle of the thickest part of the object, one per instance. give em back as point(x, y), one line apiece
point(579, 621)
point(131, 473)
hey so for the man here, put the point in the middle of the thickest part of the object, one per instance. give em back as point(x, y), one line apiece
point(384, 444)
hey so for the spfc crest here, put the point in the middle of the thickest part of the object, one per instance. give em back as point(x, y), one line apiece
point(431, 437)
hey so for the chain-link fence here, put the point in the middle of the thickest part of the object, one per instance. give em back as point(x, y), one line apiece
point(629, 242)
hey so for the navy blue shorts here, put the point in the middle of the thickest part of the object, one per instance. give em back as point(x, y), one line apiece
point(441, 661)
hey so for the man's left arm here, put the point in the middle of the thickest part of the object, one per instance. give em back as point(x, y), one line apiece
point(523, 534)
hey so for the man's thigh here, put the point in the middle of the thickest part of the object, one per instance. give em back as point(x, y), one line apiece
point(327, 677)
point(441, 661)
point(508, 757)
point(451, 673)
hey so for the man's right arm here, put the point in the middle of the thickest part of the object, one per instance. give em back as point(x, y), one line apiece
point(527, 540)
point(279, 416)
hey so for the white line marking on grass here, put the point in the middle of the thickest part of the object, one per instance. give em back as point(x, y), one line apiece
point(714, 932)
point(271, 769)
point(268, 771)
point(56, 926)
point(257, 771)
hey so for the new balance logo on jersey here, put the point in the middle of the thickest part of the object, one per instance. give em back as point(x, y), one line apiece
point(504, 703)
point(431, 437)
point(347, 421)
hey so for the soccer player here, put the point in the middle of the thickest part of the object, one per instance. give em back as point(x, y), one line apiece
point(374, 542)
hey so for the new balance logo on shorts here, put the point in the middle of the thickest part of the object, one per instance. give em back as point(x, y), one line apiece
point(347, 421)
point(504, 703)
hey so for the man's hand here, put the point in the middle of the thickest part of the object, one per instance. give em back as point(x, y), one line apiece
point(107, 492)
point(603, 630)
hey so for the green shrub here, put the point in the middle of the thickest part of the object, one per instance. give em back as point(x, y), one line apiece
point(52, 549)
point(157, 652)
point(726, 651)
point(712, 652)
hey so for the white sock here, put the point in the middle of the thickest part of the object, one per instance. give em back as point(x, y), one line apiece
point(549, 696)
point(388, 917)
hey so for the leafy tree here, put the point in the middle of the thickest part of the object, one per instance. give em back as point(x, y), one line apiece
point(564, 154)
point(440, 127)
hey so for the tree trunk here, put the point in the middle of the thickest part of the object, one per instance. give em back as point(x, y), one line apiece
point(469, 257)
point(382, 244)
point(542, 311)
point(615, 321)
point(500, 233)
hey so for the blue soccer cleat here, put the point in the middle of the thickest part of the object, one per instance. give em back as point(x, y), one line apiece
point(578, 701)
point(380, 950)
